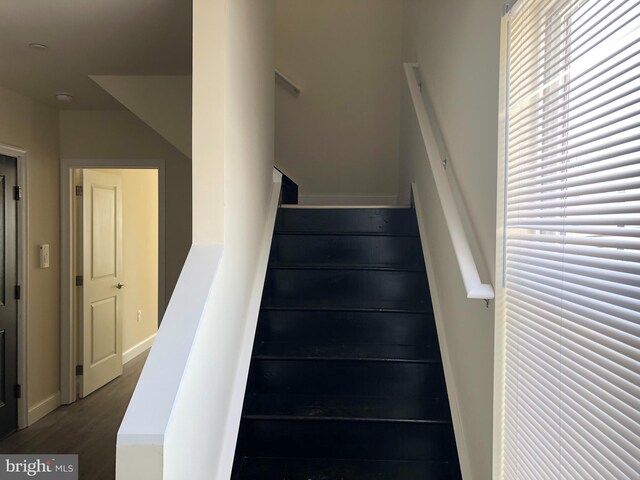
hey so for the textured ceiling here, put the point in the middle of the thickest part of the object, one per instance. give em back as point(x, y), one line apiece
point(90, 37)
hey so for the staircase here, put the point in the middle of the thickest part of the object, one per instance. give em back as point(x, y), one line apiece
point(346, 378)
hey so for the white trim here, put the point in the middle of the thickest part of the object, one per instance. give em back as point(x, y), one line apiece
point(348, 200)
point(279, 170)
point(244, 359)
point(67, 275)
point(164, 370)
point(452, 390)
point(139, 462)
point(22, 277)
point(44, 408)
point(138, 349)
point(499, 342)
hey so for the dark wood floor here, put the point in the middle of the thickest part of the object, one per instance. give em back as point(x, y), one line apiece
point(87, 427)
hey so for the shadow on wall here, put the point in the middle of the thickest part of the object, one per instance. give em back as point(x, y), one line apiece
point(121, 135)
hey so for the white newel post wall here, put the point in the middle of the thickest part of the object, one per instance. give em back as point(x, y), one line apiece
point(183, 418)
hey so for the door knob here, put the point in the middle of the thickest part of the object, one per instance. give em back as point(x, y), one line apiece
point(119, 286)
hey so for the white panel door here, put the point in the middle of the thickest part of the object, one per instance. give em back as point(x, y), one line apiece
point(101, 331)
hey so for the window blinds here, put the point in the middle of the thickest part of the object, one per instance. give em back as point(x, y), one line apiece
point(572, 241)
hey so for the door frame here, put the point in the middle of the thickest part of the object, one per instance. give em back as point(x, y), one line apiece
point(68, 324)
point(20, 155)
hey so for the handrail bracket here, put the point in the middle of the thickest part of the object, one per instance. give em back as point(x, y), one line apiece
point(288, 83)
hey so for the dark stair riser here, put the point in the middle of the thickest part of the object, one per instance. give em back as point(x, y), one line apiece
point(349, 378)
point(347, 288)
point(365, 220)
point(348, 439)
point(336, 327)
point(388, 251)
point(320, 469)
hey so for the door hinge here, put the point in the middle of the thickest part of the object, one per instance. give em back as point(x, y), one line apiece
point(17, 193)
point(17, 292)
point(79, 190)
point(17, 390)
point(79, 370)
point(79, 280)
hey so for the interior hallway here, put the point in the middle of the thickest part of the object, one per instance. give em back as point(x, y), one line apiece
point(87, 427)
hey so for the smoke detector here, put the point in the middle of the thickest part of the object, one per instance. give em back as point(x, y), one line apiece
point(64, 97)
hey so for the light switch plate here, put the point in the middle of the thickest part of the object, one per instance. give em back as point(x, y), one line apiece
point(44, 255)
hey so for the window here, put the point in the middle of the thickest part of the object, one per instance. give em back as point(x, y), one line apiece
point(571, 246)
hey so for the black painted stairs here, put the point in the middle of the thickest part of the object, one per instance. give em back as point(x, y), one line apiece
point(346, 379)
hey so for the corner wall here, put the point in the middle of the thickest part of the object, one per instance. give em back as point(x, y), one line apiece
point(32, 126)
point(457, 47)
point(162, 102)
point(207, 124)
point(200, 428)
point(340, 138)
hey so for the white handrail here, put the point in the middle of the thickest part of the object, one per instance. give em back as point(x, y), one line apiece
point(474, 286)
point(295, 89)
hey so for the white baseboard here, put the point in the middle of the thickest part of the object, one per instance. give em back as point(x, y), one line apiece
point(346, 200)
point(137, 349)
point(452, 390)
point(43, 408)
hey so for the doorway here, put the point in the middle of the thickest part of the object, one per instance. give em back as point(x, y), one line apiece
point(116, 270)
point(9, 296)
point(115, 262)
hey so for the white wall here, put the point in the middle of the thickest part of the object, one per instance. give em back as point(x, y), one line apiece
point(140, 256)
point(32, 126)
point(457, 47)
point(162, 102)
point(208, 129)
point(118, 134)
point(199, 419)
point(190, 378)
point(340, 137)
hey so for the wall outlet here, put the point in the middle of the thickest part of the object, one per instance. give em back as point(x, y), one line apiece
point(139, 318)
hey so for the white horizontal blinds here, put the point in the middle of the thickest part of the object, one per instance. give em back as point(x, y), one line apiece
point(572, 245)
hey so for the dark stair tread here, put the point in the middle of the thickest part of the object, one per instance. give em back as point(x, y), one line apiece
point(348, 220)
point(354, 233)
point(416, 267)
point(348, 288)
point(346, 379)
point(345, 306)
point(338, 469)
point(412, 409)
point(336, 327)
point(346, 250)
point(413, 309)
point(337, 377)
point(298, 350)
point(406, 441)
point(332, 306)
